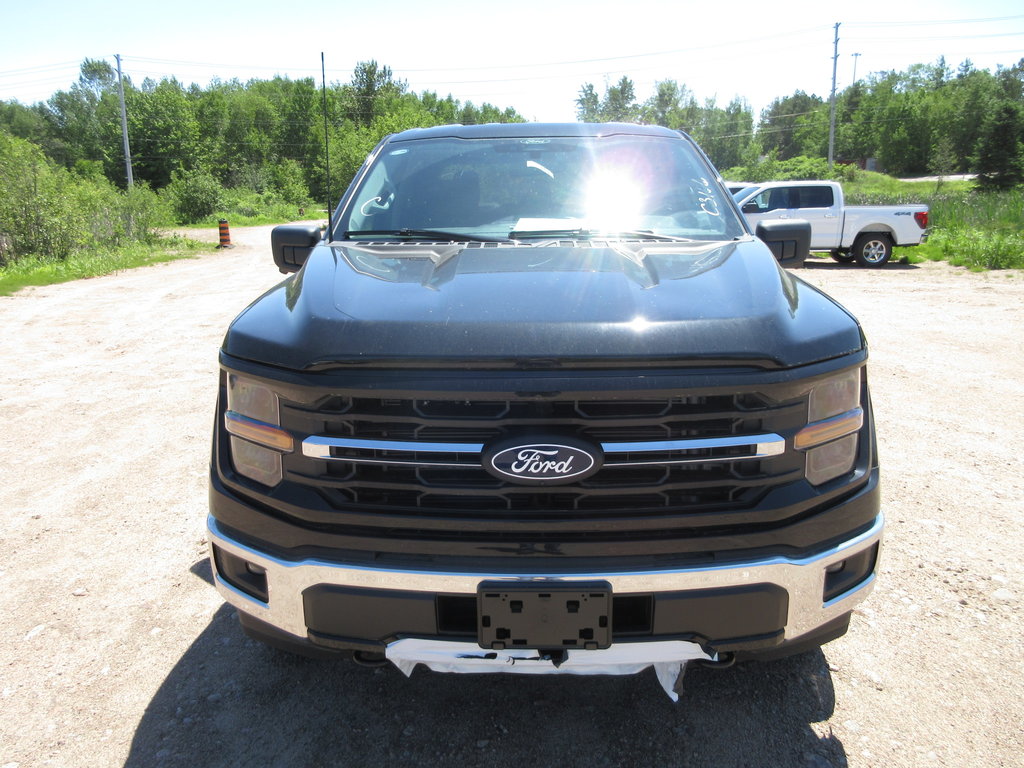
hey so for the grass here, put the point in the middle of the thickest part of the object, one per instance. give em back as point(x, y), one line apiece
point(970, 228)
point(276, 215)
point(869, 184)
point(976, 249)
point(40, 271)
point(283, 214)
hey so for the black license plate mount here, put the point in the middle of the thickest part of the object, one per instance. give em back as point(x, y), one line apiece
point(548, 615)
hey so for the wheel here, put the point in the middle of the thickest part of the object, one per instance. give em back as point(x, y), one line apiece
point(843, 257)
point(872, 249)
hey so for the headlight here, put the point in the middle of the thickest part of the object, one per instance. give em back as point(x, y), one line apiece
point(834, 396)
point(834, 417)
point(254, 423)
point(831, 460)
point(252, 399)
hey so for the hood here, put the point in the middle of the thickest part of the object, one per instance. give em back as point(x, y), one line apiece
point(540, 305)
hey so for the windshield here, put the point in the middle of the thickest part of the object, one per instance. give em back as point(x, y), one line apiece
point(486, 189)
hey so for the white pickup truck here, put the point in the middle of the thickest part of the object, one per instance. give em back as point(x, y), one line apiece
point(862, 233)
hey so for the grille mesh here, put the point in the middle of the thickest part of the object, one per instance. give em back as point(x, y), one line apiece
point(425, 483)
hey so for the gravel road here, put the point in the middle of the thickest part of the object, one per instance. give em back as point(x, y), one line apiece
point(116, 650)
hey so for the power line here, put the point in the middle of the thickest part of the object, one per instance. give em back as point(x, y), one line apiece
point(40, 68)
point(915, 38)
point(932, 22)
point(731, 43)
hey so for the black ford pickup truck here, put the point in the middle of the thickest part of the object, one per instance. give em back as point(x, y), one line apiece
point(538, 401)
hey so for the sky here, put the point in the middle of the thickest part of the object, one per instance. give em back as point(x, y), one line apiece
point(533, 55)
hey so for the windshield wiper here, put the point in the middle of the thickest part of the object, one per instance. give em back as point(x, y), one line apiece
point(424, 234)
point(588, 234)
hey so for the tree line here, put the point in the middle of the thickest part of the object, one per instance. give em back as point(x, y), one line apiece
point(269, 135)
point(265, 136)
point(927, 120)
point(248, 147)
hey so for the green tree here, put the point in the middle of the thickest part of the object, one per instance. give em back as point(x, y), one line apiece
point(164, 132)
point(1011, 81)
point(372, 90)
point(588, 104)
point(444, 111)
point(29, 123)
point(249, 137)
point(971, 94)
point(620, 102)
point(1000, 155)
point(617, 105)
point(673, 105)
point(726, 133)
point(79, 115)
point(780, 121)
point(212, 110)
point(855, 133)
point(942, 160)
point(299, 109)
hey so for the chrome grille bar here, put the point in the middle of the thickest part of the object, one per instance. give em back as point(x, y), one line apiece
point(320, 447)
point(764, 446)
point(328, 448)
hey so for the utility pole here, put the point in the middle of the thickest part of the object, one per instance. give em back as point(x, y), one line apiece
point(832, 103)
point(855, 56)
point(124, 125)
point(327, 151)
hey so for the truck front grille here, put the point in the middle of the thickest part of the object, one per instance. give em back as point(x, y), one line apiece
point(678, 455)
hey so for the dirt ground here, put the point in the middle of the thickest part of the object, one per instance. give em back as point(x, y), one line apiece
point(116, 650)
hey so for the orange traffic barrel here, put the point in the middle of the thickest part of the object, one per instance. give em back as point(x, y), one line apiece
point(225, 234)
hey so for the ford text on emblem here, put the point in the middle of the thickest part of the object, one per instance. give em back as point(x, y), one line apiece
point(542, 463)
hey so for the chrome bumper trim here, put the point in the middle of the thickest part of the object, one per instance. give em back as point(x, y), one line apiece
point(802, 578)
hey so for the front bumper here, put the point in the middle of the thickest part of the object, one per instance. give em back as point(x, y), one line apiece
point(752, 606)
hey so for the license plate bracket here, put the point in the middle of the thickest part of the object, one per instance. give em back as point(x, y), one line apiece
point(550, 615)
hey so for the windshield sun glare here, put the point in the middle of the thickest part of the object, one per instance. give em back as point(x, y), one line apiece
point(490, 188)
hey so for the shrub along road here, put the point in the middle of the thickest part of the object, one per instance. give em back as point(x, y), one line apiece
point(116, 650)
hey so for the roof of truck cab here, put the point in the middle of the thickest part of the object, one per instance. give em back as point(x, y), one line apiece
point(533, 130)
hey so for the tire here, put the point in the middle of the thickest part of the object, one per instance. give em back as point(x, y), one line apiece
point(872, 249)
point(843, 257)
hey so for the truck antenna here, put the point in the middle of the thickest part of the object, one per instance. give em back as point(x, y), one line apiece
point(327, 151)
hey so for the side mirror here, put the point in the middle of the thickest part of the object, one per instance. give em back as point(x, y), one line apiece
point(291, 245)
point(750, 207)
point(788, 239)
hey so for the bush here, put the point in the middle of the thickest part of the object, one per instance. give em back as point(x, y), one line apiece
point(193, 195)
point(795, 169)
point(287, 178)
point(50, 213)
point(30, 191)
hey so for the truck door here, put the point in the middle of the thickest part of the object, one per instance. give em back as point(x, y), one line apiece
point(815, 204)
point(768, 204)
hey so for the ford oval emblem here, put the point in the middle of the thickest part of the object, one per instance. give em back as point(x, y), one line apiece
point(547, 463)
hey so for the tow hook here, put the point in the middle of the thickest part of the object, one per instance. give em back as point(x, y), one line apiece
point(721, 661)
point(369, 659)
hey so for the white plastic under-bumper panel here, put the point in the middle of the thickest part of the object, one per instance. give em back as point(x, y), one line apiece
point(669, 659)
